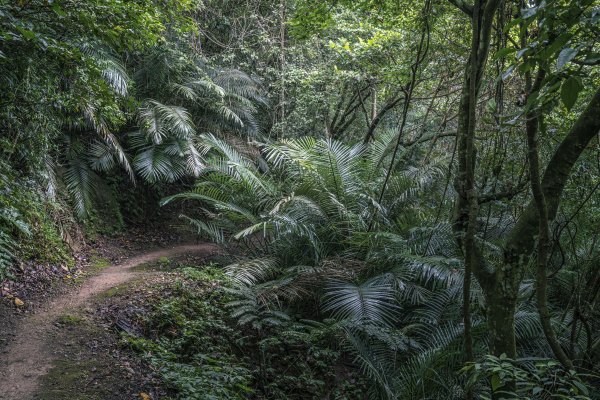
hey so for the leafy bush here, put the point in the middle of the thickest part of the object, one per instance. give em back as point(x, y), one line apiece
point(532, 379)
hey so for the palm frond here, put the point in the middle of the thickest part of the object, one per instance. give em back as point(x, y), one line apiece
point(158, 120)
point(372, 301)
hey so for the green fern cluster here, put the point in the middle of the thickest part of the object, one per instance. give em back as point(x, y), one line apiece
point(201, 353)
point(322, 236)
point(12, 223)
point(176, 96)
point(323, 243)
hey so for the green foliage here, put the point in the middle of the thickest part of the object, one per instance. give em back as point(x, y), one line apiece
point(183, 328)
point(201, 354)
point(66, 93)
point(27, 229)
point(308, 219)
point(106, 104)
point(11, 223)
point(534, 379)
point(190, 97)
point(561, 48)
point(93, 90)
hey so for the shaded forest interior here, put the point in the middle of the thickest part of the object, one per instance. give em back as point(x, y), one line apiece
point(404, 193)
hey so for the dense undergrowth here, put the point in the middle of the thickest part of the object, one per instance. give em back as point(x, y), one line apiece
point(201, 352)
point(320, 244)
point(189, 336)
point(28, 224)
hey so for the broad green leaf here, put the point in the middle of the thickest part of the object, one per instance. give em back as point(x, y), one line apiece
point(529, 12)
point(528, 65)
point(551, 49)
point(27, 34)
point(506, 74)
point(58, 10)
point(565, 56)
point(504, 52)
point(592, 58)
point(491, 106)
point(595, 16)
point(522, 52)
point(581, 387)
point(569, 91)
point(496, 382)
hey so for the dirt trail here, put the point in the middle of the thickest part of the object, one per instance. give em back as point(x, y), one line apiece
point(28, 357)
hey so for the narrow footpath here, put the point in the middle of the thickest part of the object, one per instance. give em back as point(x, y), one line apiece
point(29, 356)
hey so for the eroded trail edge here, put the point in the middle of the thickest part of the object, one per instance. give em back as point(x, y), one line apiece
point(27, 357)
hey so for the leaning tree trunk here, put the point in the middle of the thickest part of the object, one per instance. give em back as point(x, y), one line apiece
point(500, 286)
point(521, 241)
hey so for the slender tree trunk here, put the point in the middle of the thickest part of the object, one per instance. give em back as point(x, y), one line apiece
point(501, 303)
point(532, 125)
point(282, 62)
point(501, 292)
point(482, 15)
point(373, 102)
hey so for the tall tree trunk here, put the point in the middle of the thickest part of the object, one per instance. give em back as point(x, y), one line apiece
point(282, 62)
point(482, 15)
point(532, 125)
point(501, 303)
point(521, 241)
point(501, 287)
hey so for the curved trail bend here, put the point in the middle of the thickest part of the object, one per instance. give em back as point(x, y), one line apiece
point(27, 357)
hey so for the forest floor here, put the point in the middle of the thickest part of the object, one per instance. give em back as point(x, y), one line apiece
point(64, 349)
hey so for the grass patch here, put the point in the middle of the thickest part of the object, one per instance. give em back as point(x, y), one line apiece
point(68, 319)
point(115, 291)
point(98, 263)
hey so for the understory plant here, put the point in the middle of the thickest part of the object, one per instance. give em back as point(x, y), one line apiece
point(533, 379)
point(200, 352)
point(323, 238)
point(351, 235)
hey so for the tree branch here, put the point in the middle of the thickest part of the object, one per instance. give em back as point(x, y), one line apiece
point(375, 122)
point(463, 6)
point(507, 194)
point(520, 242)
